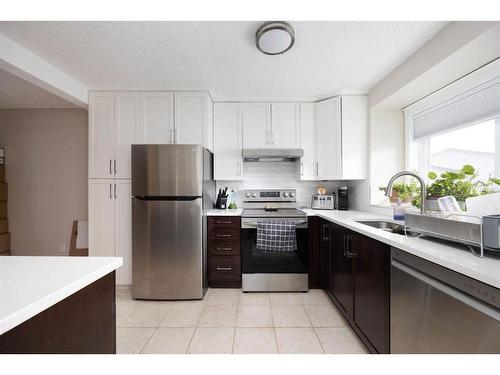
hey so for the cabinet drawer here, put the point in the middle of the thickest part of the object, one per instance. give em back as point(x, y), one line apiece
point(225, 234)
point(216, 247)
point(224, 271)
point(224, 221)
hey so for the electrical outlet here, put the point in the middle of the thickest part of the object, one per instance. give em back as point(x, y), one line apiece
point(62, 248)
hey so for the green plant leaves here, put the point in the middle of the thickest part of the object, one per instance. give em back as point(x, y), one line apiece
point(432, 175)
point(469, 170)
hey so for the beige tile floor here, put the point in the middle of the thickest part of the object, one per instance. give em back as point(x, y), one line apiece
point(230, 321)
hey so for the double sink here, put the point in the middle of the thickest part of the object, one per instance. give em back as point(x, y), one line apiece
point(390, 227)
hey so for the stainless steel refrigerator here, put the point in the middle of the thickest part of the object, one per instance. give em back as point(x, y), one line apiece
point(172, 186)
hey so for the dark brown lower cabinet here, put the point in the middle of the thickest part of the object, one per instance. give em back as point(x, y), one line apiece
point(341, 269)
point(372, 290)
point(354, 270)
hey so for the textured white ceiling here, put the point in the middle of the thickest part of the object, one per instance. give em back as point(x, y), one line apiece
point(17, 93)
point(327, 58)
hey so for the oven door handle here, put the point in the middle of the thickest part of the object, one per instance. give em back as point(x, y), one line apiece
point(253, 223)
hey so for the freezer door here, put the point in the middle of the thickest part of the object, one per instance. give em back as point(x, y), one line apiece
point(167, 170)
point(167, 249)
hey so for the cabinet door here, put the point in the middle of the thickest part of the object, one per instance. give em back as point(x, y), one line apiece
point(123, 229)
point(372, 290)
point(157, 117)
point(341, 268)
point(256, 125)
point(354, 137)
point(192, 118)
point(307, 142)
point(101, 134)
point(127, 131)
point(228, 162)
point(285, 125)
point(325, 253)
point(101, 218)
point(328, 139)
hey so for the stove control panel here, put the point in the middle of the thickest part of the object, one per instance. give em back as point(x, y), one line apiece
point(269, 195)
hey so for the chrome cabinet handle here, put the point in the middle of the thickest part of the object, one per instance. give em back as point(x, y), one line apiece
point(116, 196)
point(115, 166)
point(301, 169)
point(110, 193)
point(223, 235)
point(110, 170)
point(317, 168)
point(224, 268)
point(223, 221)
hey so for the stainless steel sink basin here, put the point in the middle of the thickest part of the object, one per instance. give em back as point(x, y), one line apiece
point(390, 227)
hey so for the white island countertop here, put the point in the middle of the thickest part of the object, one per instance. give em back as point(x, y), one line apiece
point(30, 285)
point(457, 258)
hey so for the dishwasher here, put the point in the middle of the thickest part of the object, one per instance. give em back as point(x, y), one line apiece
point(437, 310)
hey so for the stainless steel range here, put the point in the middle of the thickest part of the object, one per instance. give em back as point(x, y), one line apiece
point(263, 270)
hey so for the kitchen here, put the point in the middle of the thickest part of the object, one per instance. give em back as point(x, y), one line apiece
point(228, 215)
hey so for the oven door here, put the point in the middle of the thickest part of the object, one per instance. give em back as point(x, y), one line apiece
point(273, 271)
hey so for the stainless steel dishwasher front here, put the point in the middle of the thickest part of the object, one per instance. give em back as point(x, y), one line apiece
point(437, 310)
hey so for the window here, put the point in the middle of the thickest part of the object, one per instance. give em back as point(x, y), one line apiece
point(477, 145)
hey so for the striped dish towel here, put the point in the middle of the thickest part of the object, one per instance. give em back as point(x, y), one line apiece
point(276, 235)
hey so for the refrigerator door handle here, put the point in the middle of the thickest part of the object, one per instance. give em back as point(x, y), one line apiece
point(110, 194)
point(116, 196)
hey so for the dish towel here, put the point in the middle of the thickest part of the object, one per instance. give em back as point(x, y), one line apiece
point(276, 235)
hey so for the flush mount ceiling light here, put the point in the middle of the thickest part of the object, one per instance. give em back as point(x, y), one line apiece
point(274, 38)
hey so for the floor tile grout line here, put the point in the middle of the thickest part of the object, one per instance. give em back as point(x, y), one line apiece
point(314, 330)
point(147, 341)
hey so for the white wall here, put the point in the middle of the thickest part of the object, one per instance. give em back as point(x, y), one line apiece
point(46, 169)
point(387, 149)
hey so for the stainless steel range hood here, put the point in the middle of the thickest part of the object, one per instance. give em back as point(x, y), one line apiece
point(272, 154)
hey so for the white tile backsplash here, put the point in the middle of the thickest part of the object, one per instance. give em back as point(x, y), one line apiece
point(280, 175)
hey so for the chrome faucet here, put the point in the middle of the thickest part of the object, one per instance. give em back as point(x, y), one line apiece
point(423, 192)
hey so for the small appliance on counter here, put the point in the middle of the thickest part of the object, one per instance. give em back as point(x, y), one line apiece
point(323, 202)
point(343, 198)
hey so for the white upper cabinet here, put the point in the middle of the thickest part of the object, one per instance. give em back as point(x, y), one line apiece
point(341, 138)
point(157, 118)
point(328, 139)
point(354, 137)
point(193, 119)
point(307, 142)
point(256, 120)
point(127, 132)
point(101, 134)
point(228, 163)
point(285, 125)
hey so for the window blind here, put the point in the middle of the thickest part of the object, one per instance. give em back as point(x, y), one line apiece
point(474, 105)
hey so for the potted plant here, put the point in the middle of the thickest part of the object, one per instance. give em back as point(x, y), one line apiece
point(461, 185)
point(404, 192)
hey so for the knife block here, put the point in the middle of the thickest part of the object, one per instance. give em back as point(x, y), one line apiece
point(222, 205)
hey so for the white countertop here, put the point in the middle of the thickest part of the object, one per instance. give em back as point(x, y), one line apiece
point(456, 258)
point(233, 212)
point(30, 285)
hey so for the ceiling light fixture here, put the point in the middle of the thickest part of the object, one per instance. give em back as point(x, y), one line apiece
point(275, 37)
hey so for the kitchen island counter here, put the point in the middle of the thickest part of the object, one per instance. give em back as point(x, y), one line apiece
point(32, 287)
